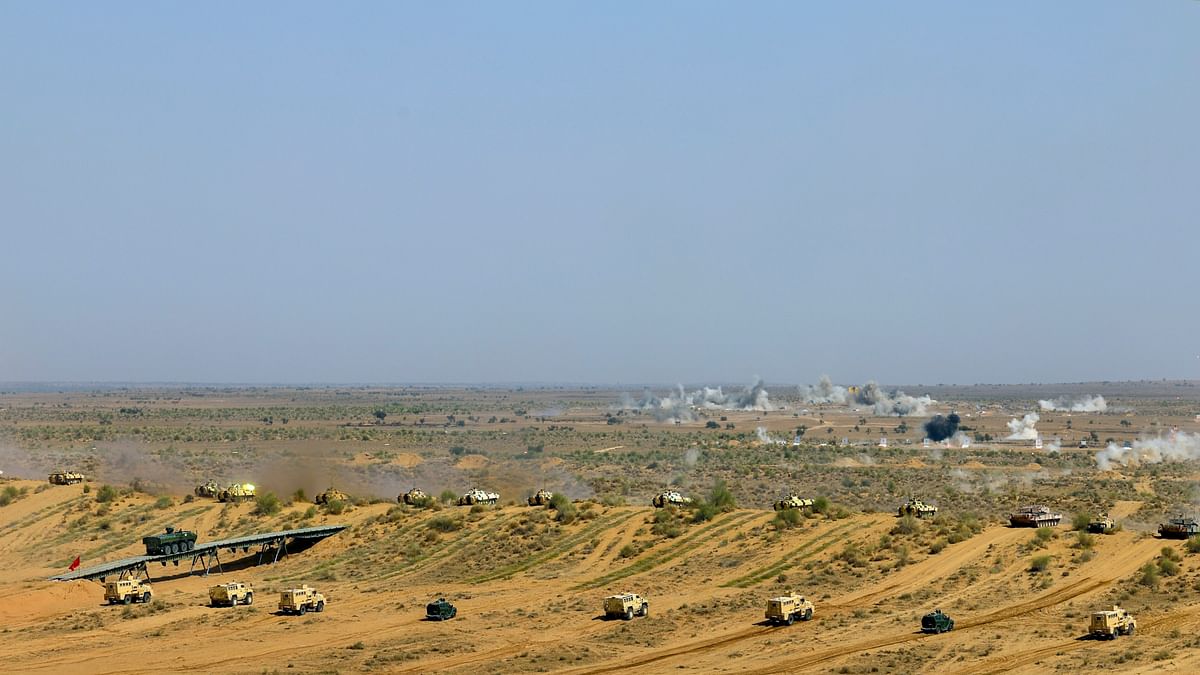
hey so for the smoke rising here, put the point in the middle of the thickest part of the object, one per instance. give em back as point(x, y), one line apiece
point(1065, 404)
point(766, 437)
point(680, 405)
point(824, 391)
point(892, 404)
point(940, 427)
point(1023, 429)
point(1175, 446)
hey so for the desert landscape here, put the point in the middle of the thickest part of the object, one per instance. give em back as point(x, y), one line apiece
point(529, 582)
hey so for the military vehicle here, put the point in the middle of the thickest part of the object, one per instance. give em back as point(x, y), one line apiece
point(66, 478)
point(625, 606)
point(476, 496)
point(173, 541)
point(541, 498)
point(440, 610)
point(1034, 515)
point(414, 497)
point(936, 622)
point(793, 502)
point(1102, 524)
point(918, 508)
point(230, 594)
point(669, 498)
point(787, 609)
point(301, 600)
point(237, 492)
point(1179, 528)
point(209, 489)
point(1110, 623)
point(331, 495)
point(125, 591)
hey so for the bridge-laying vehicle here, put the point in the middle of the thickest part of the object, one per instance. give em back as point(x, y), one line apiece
point(788, 609)
point(794, 502)
point(66, 478)
point(237, 492)
point(1034, 515)
point(669, 498)
point(476, 496)
point(171, 541)
point(125, 591)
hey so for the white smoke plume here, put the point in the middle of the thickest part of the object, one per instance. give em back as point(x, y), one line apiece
point(1053, 447)
point(892, 404)
point(691, 456)
point(824, 391)
point(1085, 404)
point(680, 405)
point(1024, 429)
point(1175, 446)
point(960, 440)
point(765, 437)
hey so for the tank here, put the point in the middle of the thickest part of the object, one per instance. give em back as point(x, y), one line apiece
point(1179, 528)
point(414, 497)
point(1102, 524)
point(918, 508)
point(669, 498)
point(1035, 516)
point(332, 495)
point(208, 489)
point(237, 492)
point(172, 541)
point(541, 498)
point(793, 502)
point(476, 496)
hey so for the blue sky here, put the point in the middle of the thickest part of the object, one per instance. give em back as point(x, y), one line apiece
point(601, 192)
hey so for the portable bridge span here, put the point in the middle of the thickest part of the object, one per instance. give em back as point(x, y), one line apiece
point(206, 554)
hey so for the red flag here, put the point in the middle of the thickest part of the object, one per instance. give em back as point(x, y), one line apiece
point(74, 565)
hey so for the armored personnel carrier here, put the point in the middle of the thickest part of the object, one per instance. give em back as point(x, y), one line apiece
point(1108, 624)
point(1179, 528)
point(301, 600)
point(918, 508)
point(541, 498)
point(476, 496)
point(793, 502)
point(936, 622)
point(172, 541)
point(625, 606)
point(669, 498)
point(125, 591)
point(440, 610)
point(331, 495)
point(1102, 524)
point(787, 609)
point(236, 492)
point(414, 497)
point(66, 478)
point(1035, 516)
point(230, 594)
point(209, 489)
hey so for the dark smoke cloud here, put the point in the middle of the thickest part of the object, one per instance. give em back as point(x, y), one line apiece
point(941, 427)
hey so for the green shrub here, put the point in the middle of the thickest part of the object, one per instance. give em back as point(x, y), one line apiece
point(444, 524)
point(106, 493)
point(335, 507)
point(9, 495)
point(938, 546)
point(721, 498)
point(1081, 521)
point(907, 525)
point(299, 496)
point(267, 504)
point(704, 511)
point(309, 513)
point(1193, 545)
point(448, 496)
point(1039, 563)
point(821, 505)
point(1149, 576)
point(164, 502)
point(628, 551)
point(1168, 567)
point(1171, 554)
point(786, 519)
point(1084, 540)
point(562, 504)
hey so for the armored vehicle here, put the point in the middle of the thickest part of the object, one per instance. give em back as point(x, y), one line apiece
point(230, 594)
point(669, 498)
point(1102, 524)
point(1179, 528)
point(793, 502)
point(936, 622)
point(440, 610)
point(332, 495)
point(1108, 624)
point(209, 489)
point(126, 591)
point(66, 478)
point(918, 508)
point(787, 609)
point(173, 541)
point(1034, 516)
point(541, 498)
point(414, 497)
point(625, 606)
point(236, 492)
point(301, 600)
point(476, 496)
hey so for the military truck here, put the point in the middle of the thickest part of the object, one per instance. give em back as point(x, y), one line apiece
point(1102, 524)
point(1108, 624)
point(236, 492)
point(1034, 515)
point(208, 489)
point(66, 478)
point(936, 622)
point(414, 497)
point(173, 541)
point(918, 508)
point(669, 498)
point(125, 591)
point(476, 496)
point(230, 594)
point(793, 502)
point(301, 600)
point(787, 609)
point(541, 498)
point(440, 610)
point(1179, 528)
point(331, 495)
point(625, 606)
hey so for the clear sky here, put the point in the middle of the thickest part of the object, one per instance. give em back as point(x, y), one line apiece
point(599, 192)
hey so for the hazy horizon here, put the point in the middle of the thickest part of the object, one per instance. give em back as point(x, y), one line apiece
point(539, 192)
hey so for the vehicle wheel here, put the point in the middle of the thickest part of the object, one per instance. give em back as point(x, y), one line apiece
point(790, 619)
point(145, 597)
point(950, 626)
point(249, 598)
point(629, 614)
point(645, 609)
point(321, 606)
point(807, 614)
point(127, 599)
